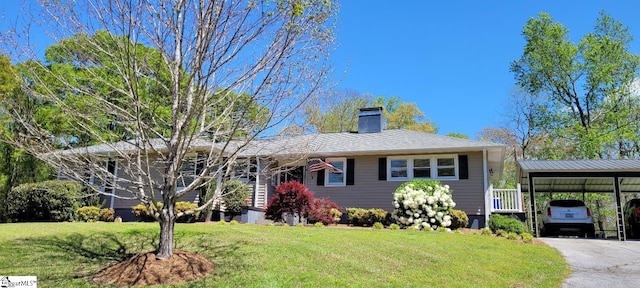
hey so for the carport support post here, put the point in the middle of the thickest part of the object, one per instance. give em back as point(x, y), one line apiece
point(532, 208)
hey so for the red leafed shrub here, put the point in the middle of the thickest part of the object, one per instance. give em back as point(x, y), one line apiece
point(291, 198)
point(324, 210)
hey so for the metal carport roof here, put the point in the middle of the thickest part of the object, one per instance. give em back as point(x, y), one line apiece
point(582, 176)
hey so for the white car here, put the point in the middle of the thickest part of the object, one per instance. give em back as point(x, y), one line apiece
point(567, 217)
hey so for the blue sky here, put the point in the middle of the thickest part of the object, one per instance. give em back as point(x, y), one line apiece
point(452, 58)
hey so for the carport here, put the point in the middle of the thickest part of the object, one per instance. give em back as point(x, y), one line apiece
point(579, 176)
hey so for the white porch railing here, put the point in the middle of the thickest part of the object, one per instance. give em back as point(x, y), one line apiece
point(504, 200)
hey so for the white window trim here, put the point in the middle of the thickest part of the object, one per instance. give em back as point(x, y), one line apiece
point(344, 172)
point(433, 163)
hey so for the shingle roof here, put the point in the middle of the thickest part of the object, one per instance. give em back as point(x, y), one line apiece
point(387, 142)
point(580, 165)
point(395, 141)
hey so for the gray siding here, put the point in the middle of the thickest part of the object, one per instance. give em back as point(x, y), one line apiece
point(124, 178)
point(369, 192)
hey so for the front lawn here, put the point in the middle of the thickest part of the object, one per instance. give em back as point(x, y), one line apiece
point(68, 254)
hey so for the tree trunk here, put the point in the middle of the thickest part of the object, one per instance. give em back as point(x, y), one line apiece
point(167, 222)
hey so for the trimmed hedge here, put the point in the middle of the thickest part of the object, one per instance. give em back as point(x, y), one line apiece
point(52, 200)
point(367, 217)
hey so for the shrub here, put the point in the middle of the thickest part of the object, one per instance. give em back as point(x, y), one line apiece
point(324, 210)
point(394, 226)
point(142, 213)
point(107, 215)
point(88, 213)
point(184, 206)
point(233, 222)
point(300, 225)
point(291, 198)
point(378, 225)
point(234, 194)
point(527, 237)
point(459, 219)
point(442, 229)
point(366, 217)
point(508, 224)
point(513, 236)
point(52, 200)
point(423, 204)
point(501, 233)
point(222, 222)
point(319, 224)
point(486, 231)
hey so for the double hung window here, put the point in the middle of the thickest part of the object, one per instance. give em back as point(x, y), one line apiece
point(440, 167)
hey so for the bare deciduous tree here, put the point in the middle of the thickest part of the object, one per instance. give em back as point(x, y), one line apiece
point(219, 64)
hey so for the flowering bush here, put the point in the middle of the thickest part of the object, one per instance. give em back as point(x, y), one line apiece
point(423, 204)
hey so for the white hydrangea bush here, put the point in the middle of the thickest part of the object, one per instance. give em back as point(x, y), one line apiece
point(423, 204)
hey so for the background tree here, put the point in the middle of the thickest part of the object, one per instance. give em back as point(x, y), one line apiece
point(403, 115)
point(573, 100)
point(458, 135)
point(339, 113)
point(176, 72)
point(16, 166)
point(587, 86)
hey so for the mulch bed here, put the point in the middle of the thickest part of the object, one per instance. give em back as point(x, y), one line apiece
point(145, 269)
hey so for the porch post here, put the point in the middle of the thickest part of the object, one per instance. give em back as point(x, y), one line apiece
point(519, 197)
point(488, 198)
point(257, 184)
point(532, 207)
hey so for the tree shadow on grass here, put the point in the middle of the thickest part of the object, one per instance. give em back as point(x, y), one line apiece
point(107, 248)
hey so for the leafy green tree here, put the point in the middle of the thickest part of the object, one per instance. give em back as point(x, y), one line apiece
point(403, 115)
point(458, 135)
point(161, 76)
point(586, 86)
point(336, 113)
point(339, 113)
point(16, 165)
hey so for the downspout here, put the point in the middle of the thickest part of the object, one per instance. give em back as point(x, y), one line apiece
point(485, 178)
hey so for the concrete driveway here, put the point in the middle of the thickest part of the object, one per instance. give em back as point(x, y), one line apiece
point(599, 263)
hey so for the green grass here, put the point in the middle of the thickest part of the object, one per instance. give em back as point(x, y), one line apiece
point(67, 254)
